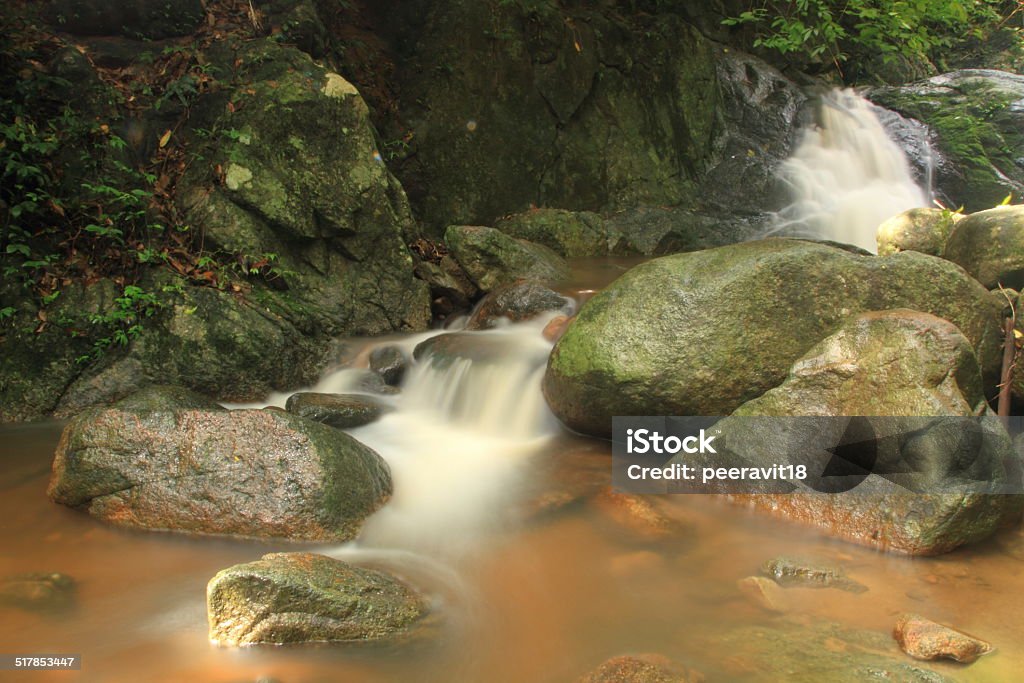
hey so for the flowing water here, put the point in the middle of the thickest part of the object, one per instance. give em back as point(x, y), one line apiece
point(847, 175)
point(522, 589)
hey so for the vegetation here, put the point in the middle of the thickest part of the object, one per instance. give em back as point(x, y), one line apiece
point(834, 32)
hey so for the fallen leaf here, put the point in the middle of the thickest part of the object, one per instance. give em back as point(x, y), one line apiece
point(165, 138)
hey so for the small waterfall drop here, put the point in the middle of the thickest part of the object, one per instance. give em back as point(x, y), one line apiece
point(846, 176)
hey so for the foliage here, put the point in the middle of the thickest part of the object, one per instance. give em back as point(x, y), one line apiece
point(835, 30)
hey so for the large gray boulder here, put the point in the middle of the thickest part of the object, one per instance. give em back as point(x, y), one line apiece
point(167, 459)
point(702, 333)
point(304, 597)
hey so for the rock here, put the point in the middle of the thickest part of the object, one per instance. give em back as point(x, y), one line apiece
point(566, 479)
point(371, 382)
point(572, 234)
point(445, 349)
point(763, 593)
point(451, 290)
point(252, 473)
point(492, 258)
point(39, 591)
point(304, 597)
point(554, 330)
point(978, 132)
point(646, 668)
point(302, 180)
point(636, 516)
point(516, 302)
point(701, 333)
point(905, 367)
point(342, 411)
point(923, 230)
point(803, 573)
point(659, 230)
point(990, 246)
point(390, 363)
point(924, 639)
point(145, 19)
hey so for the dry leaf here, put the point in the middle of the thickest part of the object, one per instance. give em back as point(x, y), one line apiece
point(165, 138)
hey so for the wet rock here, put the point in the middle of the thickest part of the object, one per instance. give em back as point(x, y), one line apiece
point(804, 573)
point(445, 349)
point(516, 302)
point(636, 516)
point(673, 336)
point(923, 230)
point(990, 246)
point(554, 330)
point(660, 230)
point(924, 639)
point(304, 597)
point(390, 363)
point(572, 234)
point(451, 290)
point(645, 668)
point(342, 411)
point(978, 131)
point(763, 593)
point(492, 258)
point(258, 473)
point(567, 478)
point(38, 591)
point(372, 382)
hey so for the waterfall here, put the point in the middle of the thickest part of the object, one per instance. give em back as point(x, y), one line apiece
point(846, 176)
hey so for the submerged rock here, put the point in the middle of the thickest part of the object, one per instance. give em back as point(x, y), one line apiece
point(990, 246)
point(924, 639)
point(343, 411)
point(492, 258)
point(763, 593)
point(802, 573)
point(646, 668)
point(517, 302)
point(156, 463)
point(390, 363)
point(304, 597)
point(636, 516)
point(702, 333)
point(38, 591)
point(923, 230)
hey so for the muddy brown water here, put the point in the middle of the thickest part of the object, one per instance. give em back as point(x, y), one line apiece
point(540, 598)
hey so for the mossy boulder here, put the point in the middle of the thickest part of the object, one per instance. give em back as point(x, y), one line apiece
point(169, 460)
point(702, 333)
point(978, 126)
point(491, 258)
point(990, 246)
point(144, 19)
point(305, 597)
point(923, 230)
point(517, 302)
point(572, 234)
point(343, 411)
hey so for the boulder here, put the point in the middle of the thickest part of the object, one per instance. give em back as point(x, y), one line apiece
point(804, 573)
point(517, 302)
point(572, 234)
point(990, 246)
point(451, 290)
point(492, 258)
point(144, 19)
point(646, 668)
point(390, 363)
point(305, 597)
point(342, 411)
point(977, 127)
point(923, 230)
point(702, 333)
point(924, 639)
point(157, 462)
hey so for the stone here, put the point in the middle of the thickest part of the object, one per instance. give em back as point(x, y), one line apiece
point(342, 411)
point(990, 246)
point(704, 332)
point(153, 463)
point(636, 516)
point(804, 573)
point(763, 593)
point(924, 639)
point(492, 258)
point(923, 230)
point(645, 668)
point(554, 330)
point(305, 597)
point(516, 302)
point(572, 234)
point(38, 591)
point(390, 363)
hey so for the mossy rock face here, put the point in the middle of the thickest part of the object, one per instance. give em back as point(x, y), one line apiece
point(302, 179)
point(702, 333)
point(159, 462)
point(305, 597)
point(491, 258)
point(978, 126)
point(146, 19)
point(923, 230)
point(990, 246)
point(572, 234)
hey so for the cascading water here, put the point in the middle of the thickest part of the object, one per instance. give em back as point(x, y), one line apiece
point(846, 176)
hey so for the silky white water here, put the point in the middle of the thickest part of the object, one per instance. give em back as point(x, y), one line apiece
point(846, 176)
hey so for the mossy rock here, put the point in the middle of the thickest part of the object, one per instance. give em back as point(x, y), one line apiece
point(491, 258)
point(990, 246)
point(923, 230)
